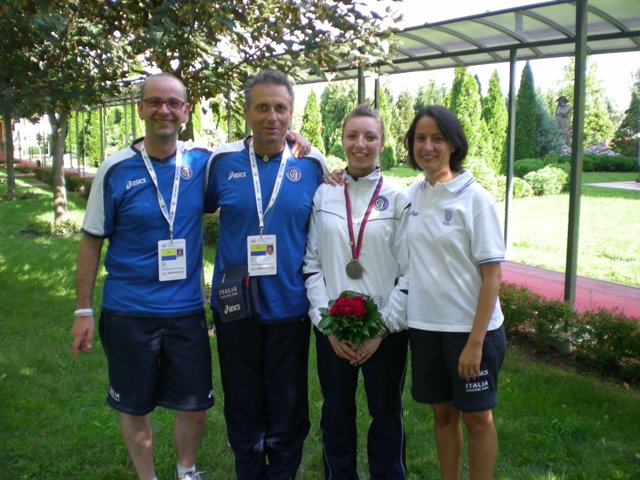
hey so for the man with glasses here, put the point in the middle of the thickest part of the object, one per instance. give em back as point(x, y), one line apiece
point(148, 201)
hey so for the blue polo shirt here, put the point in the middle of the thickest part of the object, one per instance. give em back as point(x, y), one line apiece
point(281, 297)
point(123, 208)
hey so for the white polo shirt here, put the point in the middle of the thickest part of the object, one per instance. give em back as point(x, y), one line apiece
point(453, 228)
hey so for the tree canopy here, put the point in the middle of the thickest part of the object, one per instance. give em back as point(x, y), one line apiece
point(75, 53)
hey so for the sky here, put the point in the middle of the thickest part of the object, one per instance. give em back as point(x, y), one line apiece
point(615, 70)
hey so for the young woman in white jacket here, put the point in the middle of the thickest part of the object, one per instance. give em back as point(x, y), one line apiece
point(372, 260)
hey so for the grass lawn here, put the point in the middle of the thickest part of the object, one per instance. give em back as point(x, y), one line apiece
point(609, 236)
point(554, 423)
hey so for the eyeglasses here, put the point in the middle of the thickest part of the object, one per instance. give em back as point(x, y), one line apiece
point(157, 102)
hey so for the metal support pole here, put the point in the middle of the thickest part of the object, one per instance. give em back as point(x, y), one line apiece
point(126, 125)
point(103, 130)
point(77, 141)
point(362, 89)
point(575, 187)
point(511, 143)
point(229, 122)
point(133, 117)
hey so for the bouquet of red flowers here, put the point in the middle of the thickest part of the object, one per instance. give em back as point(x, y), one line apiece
point(351, 317)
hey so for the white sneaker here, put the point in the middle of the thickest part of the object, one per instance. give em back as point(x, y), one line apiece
point(192, 475)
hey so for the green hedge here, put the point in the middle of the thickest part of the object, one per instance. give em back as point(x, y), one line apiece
point(606, 341)
point(604, 163)
point(73, 182)
point(211, 227)
point(527, 165)
point(591, 163)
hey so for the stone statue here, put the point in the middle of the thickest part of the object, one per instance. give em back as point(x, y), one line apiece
point(563, 119)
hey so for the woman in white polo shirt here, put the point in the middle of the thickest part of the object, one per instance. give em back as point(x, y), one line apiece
point(356, 242)
point(456, 334)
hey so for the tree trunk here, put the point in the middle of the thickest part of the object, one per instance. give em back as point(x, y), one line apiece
point(11, 175)
point(59, 123)
point(187, 132)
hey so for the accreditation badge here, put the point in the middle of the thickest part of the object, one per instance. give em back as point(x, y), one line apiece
point(172, 259)
point(262, 255)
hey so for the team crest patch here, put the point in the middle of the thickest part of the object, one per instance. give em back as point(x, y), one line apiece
point(448, 215)
point(382, 203)
point(186, 173)
point(294, 174)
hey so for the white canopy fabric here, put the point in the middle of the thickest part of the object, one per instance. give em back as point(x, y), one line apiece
point(543, 30)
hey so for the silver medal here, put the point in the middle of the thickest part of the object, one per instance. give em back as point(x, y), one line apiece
point(354, 270)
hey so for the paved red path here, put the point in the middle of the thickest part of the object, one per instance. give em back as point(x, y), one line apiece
point(590, 294)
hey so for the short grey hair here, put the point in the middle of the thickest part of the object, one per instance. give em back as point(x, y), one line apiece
point(267, 77)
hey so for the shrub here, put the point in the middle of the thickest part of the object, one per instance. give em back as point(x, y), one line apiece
point(521, 189)
point(548, 180)
point(604, 341)
point(44, 174)
point(518, 306)
point(485, 176)
point(553, 320)
point(604, 163)
point(388, 157)
point(607, 163)
point(336, 151)
point(526, 165)
point(608, 341)
point(73, 181)
point(79, 184)
point(551, 158)
point(211, 228)
point(334, 163)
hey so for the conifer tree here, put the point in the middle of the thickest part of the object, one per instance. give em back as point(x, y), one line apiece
point(403, 115)
point(385, 108)
point(337, 99)
point(625, 140)
point(312, 122)
point(548, 138)
point(526, 127)
point(464, 101)
point(494, 112)
point(430, 94)
point(92, 138)
point(598, 126)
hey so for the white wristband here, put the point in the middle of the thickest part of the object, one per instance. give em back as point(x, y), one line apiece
point(83, 312)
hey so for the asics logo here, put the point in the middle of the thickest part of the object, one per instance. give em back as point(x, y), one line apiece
point(233, 175)
point(134, 183)
point(231, 308)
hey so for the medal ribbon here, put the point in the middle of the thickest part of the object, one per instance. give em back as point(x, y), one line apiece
point(355, 249)
point(169, 215)
point(256, 181)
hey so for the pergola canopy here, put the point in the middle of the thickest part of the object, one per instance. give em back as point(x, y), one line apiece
point(543, 30)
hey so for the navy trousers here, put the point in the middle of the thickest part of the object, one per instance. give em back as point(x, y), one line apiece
point(383, 376)
point(264, 372)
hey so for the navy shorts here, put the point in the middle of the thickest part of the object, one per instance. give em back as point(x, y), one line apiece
point(434, 369)
point(157, 361)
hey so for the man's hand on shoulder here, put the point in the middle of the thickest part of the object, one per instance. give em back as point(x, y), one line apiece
point(301, 146)
point(336, 177)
